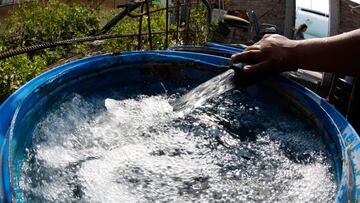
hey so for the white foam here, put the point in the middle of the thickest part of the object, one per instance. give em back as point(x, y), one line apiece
point(139, 150)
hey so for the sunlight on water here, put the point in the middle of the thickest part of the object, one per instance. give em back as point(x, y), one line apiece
point(232, 149)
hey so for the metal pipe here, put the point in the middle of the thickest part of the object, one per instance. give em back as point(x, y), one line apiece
point(142, 14)
point(149, 23)
point(128, 8)
point(187, 21)
point(167, 25)
point(177, 20)
point(140, 28)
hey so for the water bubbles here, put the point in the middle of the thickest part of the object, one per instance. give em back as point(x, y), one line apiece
point(233, 149)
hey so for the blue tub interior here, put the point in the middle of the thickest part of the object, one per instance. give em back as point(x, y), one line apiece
point(102, 73)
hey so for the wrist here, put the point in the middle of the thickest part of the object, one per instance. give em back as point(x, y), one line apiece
point(294, 52)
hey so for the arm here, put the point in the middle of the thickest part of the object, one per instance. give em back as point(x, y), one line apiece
point(339, 54)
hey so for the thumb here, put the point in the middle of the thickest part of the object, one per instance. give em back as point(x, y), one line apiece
point(259, 67)
point(247, 56)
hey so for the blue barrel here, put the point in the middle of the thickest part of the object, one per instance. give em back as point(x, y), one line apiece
point(94, 72)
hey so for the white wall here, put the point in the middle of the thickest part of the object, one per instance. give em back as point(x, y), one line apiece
point(317, 5)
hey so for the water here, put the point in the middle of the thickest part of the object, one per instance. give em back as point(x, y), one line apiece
point(232, 148)
point(209, 89)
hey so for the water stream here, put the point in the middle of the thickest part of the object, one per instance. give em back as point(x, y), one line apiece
point(232, 148)
point(207, 90)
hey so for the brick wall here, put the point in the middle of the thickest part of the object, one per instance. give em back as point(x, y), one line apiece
point(273, 11)
point(269, 11)
point(349, 18)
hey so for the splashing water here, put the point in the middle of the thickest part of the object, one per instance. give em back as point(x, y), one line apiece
point(232, 149)
point(207, 90)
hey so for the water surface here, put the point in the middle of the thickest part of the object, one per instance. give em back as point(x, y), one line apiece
point(138, 149)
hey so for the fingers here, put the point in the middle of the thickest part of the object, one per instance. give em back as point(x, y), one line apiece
point(247, 56)
point(253, 47)
point(262, 66)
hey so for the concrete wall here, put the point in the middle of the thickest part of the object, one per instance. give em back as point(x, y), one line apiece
point(349, 18)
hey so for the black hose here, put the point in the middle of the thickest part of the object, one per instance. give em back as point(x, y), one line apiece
point(46, 45)
point(128, 9)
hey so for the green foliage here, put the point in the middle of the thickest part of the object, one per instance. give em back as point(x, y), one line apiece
point(126, 25)
point(41, 21)
point(49, 21)
point(16, 71)
point(46, 21)
point(198, 28)
point(37, 22)
point(131, 25)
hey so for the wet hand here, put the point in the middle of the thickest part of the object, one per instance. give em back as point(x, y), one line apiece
point(273, 53)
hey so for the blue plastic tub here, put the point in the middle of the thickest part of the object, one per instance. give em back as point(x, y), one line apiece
point(32, 99)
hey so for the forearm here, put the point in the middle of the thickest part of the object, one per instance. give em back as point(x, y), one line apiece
point(339, 54)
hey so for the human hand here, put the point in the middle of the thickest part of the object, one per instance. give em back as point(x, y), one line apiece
point(273, 53)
